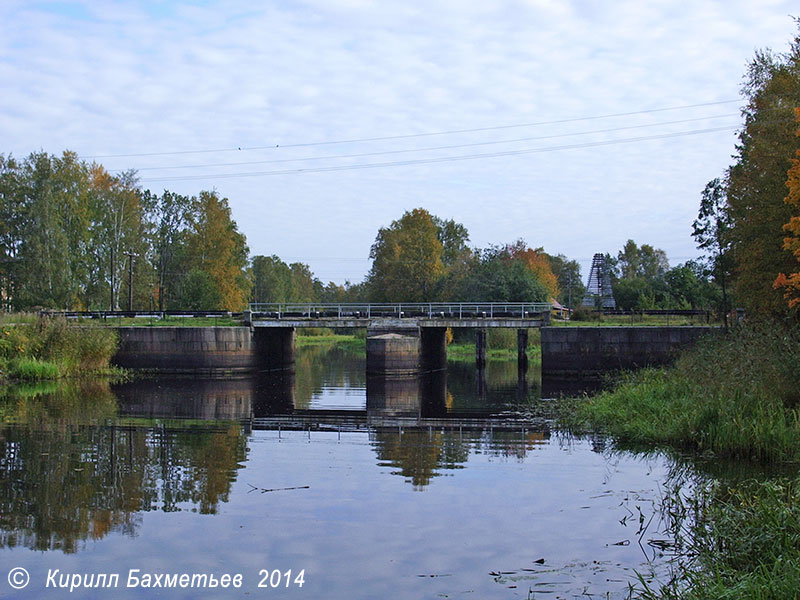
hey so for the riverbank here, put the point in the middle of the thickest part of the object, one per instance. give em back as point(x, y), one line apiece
point(34, 349)
point(734, 396)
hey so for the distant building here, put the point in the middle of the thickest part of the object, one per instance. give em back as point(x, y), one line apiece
point(598, 288)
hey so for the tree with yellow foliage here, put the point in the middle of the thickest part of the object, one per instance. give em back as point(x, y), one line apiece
point(791, 282)
point(217, 254)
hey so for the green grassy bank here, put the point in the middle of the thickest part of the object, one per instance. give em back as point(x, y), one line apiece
point(37, 349)
point(734, 396)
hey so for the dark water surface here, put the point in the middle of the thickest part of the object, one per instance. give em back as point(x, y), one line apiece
point(450, 487)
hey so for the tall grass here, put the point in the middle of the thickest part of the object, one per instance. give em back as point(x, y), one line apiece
point(50, 348)
point(734, 395)
point(737, 542)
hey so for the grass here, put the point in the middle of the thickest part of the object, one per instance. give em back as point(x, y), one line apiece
point(739, 542)
point(167, 321)
point(734, 395)
point(347, 342)
point(52, 348)
point(636, 320)
point(466, 352)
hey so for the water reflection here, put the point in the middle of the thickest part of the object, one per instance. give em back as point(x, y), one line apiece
point(185, 397)
point(421, 454)
point(68, 478)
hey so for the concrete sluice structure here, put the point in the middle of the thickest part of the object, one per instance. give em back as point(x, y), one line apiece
point(394, 347)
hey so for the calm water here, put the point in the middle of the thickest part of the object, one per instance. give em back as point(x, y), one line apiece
point(445, 488)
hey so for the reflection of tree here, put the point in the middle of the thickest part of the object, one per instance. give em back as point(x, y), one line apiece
point(420, 454)
point(318, 366)
point(65, 482)
point(502, 385)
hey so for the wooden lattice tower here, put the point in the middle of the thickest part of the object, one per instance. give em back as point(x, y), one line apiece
point(598, 288)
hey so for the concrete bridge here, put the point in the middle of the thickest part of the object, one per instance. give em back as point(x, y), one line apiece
point(402, 338)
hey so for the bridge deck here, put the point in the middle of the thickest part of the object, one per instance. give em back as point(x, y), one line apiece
point(354, 323)
point(519, 315)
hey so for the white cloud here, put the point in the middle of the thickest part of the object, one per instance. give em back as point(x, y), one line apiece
point(105, 78)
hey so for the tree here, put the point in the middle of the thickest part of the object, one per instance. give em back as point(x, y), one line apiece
point(634, 293)
point(570, 283)
point(454, 238)
point(500, 276)
point(168, 215)
point(791, 283)
point(44, 215)
point(538, 263)
point(118, 233)
point(215, 246)
point(302, 283)
point(756, 182)
point(646, 262)
point(407, 259)
point(638, 276)
point(272, 279)
point(711, 231)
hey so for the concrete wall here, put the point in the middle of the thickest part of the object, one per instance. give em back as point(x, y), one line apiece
point(590, 351)
point(209, 350)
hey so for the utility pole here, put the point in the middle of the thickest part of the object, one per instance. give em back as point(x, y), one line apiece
point(130, 256)
point(112, 279)
point(569, 301)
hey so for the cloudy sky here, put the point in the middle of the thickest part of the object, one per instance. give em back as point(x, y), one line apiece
point(574, 125)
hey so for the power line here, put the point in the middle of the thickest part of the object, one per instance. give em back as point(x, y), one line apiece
point(414, 135)
point(431, 148)
point(445, 158)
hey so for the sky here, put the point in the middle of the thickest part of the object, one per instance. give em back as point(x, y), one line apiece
point(574, 125)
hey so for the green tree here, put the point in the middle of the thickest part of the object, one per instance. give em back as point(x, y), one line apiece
point(711, 231)
point(168, 216)
point(302, 283)
point(272, 279)
point(407, 259)
point(570, 283)
point(45, 222)
point(500, 276)
point(118, 232)
point(756, 182)
point(645, 261)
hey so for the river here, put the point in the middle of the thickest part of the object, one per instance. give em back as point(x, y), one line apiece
point(320, 484)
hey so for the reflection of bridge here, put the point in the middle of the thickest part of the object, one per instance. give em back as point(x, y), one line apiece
point(402, 338)
point(349, 421)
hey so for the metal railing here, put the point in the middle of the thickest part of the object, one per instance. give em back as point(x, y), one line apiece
point(399, 310)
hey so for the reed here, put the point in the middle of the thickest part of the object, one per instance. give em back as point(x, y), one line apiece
point(51, 348)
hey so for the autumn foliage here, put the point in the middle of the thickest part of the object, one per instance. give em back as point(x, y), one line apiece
point(791, 283)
